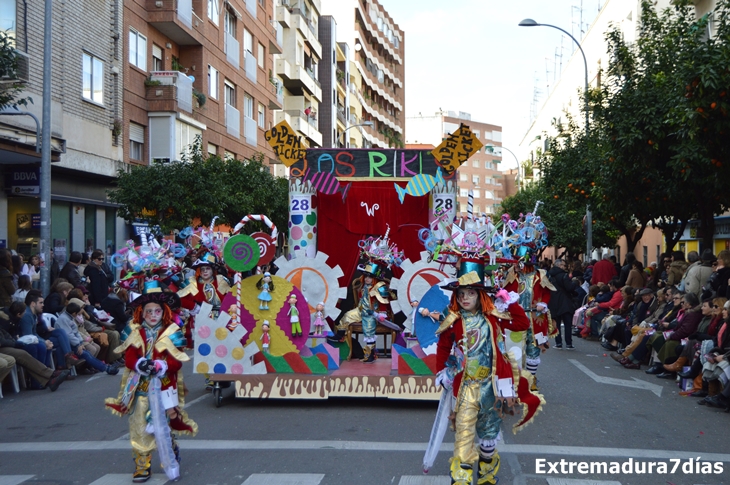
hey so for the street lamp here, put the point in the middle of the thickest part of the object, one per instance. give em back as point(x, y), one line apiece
point(364, 123)
point(589, 222)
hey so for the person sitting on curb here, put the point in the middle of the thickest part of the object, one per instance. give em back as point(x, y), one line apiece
point(67, 321)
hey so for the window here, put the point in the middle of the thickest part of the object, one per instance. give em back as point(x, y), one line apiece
point(247, 41)
point(477, 194)
point(261, 56)
point(8, 19)
point(185, 135)
point(463, 177)
point(488, 194)
point(247, 106)
point(477, 209)
point(93, 79)
point(230, 92)
point(229, 23)
point(136, 141)
point(646, 256)
point(488, 165)
point(213, 11)
point(476, 133)
point(475, 164)
point(229, 156)
point(137, 49)
point(158, 63)
point(463, 193)
point(475, 179)
point(212, 82)
point(212, 149)
point(262, 116)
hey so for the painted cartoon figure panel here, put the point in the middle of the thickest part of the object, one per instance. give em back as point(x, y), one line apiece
point(278, 313)
point(435, 299)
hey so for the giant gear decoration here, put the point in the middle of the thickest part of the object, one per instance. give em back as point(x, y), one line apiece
point(416, 280)
point(315, 278)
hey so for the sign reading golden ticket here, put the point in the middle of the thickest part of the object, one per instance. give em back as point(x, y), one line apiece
point(457, 148)
point(286, 143)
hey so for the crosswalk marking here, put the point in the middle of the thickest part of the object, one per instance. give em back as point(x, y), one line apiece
point(424, 480)
point(126, 478)
point(14, 479)
point(284, 479)
point(571, 481)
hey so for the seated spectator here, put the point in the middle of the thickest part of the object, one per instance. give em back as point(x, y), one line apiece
point(698, 273)
point(620, 334)
point(717, 283)
point(56, 300)
point(55, 338)
point(24, 286)
point(12, 353)
point(37, 347)
point(7, 287)
point(666, 340)
point(596, 314)
point(70, 271)
point(115, 304)
point(17, 260)
point(716, 370)
point(68, 323)
point(107, 339)
point(711, 321)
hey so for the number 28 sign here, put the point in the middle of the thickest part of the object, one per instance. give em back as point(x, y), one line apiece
point(445, 202)
point(300, 204)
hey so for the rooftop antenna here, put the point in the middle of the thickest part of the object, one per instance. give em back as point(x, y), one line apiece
point(547, 74)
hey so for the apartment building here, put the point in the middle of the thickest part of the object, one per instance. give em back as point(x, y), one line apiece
point(86, 131)
point(296, 70)
point(481, 173)
point(378, 62)
point(199, 68)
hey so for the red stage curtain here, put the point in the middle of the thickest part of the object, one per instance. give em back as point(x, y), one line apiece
point(342, 225)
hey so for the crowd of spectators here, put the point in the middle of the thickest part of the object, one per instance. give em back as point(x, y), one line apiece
point(67, 332)
point(670, 318)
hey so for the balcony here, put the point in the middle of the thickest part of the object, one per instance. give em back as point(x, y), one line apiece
point(176, 20)
point(250, 131)
point(233, 121)
point(301, 123)
point(297, 77)
point(275, 46)
point(233, 50)
point(174, 93)
point(283, 16)
point(278, 91)
point(341, 114)
point(306, 28)
point(249, 63)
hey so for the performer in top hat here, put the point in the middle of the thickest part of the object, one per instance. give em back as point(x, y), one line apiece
point(152, 391)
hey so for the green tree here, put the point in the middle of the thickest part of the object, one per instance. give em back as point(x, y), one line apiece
point(10, 86)
point(171, 195)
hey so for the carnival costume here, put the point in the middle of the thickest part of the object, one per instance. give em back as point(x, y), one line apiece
point(152, 385)
point(534, 289)
point(373, 299)
point(202, 291)
point(483, 379)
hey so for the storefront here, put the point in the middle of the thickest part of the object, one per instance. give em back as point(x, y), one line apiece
point(82, 217)
point(690, 240)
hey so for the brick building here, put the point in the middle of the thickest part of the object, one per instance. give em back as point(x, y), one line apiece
point(199, 68)
point(86, 122)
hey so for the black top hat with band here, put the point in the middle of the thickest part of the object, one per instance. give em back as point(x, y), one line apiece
point(153, 293)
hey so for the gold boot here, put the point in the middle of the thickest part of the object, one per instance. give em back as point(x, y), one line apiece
point(369, 351)
point(533, 385)
point(459, 474)
point(488, 470)
point(143, 464)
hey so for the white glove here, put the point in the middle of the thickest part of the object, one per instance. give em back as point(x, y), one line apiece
point(444, 379)
point(195, 310)
point(541, 307)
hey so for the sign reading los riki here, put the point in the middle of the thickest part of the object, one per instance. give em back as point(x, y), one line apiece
point(366, 163)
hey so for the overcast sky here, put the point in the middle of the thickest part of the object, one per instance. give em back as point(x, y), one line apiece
point(470, 55)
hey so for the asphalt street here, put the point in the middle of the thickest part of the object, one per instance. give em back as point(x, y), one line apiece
point(597, 412)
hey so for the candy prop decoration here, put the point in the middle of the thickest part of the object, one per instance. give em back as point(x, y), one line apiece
point(257, 217)
point(218, 350)
point(419, 185)
point(267, 247)
point(315, 278)
point(327, 183)
point(241, 253)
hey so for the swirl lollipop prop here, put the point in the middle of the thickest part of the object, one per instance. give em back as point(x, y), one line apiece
point(241, 253)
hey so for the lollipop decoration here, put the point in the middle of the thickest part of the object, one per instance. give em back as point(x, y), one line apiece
point(267, 247)
point(241, 253)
